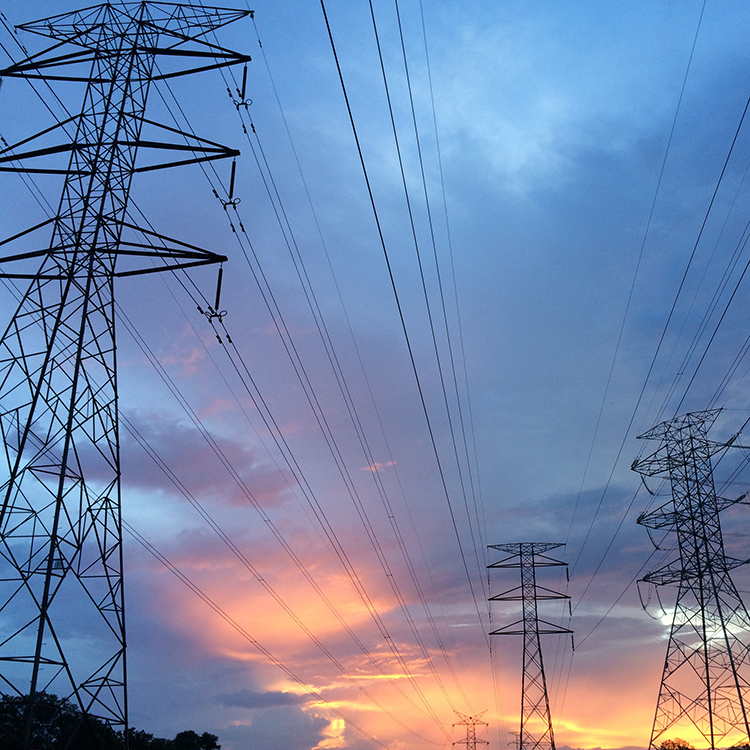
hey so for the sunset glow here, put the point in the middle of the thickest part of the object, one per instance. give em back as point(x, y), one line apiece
point(475, 249)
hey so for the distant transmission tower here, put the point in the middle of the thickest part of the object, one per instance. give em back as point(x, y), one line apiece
point(61, 574)
point(471, 723)
point(536, 722)
point(704, 686)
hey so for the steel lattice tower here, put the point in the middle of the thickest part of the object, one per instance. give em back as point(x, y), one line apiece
point(704, 686)
point(471, 723)
point(61, 569)
point(536, 722)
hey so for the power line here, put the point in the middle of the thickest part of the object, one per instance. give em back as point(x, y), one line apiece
point(244, 633)
point(401, 317)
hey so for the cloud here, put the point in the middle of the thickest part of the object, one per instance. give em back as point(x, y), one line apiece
point(377, 466)
point(277, 729)
point(186, 453)
point(250, 699)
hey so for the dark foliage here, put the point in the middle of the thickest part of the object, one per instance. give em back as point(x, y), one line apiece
point(676, 744)
point(188, 740)
point(56, 724)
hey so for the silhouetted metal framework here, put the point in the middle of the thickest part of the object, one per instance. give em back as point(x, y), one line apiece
point(61, 573)
point(471, 723)
point(536, 722)
point(704, 686)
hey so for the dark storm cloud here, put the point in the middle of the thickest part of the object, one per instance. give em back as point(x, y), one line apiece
point(251, 699)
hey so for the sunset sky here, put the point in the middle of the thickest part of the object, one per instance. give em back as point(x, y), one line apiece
point(327, 477)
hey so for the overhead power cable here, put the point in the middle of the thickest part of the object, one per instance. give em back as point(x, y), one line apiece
point(309, 391)
point(402, 319)
point(404, 665)
point(237, 552)
point(320, 515)
point(361, 436)
point(620, 334)
point(244, 633)
point(481, 564)
point(330, 439)
point(370, 458)
point(291, 243)
point(317, 314)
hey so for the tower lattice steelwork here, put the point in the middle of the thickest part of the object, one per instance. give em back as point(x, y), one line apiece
point(536, 722)
point(471, 723)
point(61, 574)
point(704, 686)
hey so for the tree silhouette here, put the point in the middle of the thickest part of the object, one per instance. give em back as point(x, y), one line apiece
point(53, 723)
point(676, 744)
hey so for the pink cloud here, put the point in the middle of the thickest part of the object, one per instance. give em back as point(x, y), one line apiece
point(377, 466)
point(196, 464)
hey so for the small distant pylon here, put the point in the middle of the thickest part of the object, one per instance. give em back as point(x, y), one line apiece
point(534, 698)
point(705, 685)
point(471, 723)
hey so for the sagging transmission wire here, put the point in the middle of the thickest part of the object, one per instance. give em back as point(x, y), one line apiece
point(244, 633)
point(309, 391)
point(307, 386)
point(385, 635)
point(480, 548)
point(481, 565)
point(270, 184)
point(659, 345)
point(332, 444)
point(237, 552)
point(242, 102)
point(475, 490)
point(404, 328)
point(320, 515)
point(288, 234)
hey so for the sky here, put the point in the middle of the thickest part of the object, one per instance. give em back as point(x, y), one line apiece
point(560, 240)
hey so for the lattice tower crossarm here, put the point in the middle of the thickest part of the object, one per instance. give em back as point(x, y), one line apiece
point(704, 688)
point(61, 568)
point(536, 731)
point(471, 723)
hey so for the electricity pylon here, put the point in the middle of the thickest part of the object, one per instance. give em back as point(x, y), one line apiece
point(471, 723)
point(62, 609)
point(536, 722)
point(704, 686)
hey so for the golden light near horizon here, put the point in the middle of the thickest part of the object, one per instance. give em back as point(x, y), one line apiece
point(443, 263)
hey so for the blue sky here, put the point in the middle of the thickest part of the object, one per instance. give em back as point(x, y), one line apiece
point(553, 124)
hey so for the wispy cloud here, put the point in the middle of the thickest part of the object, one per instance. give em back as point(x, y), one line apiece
point(377, 466)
